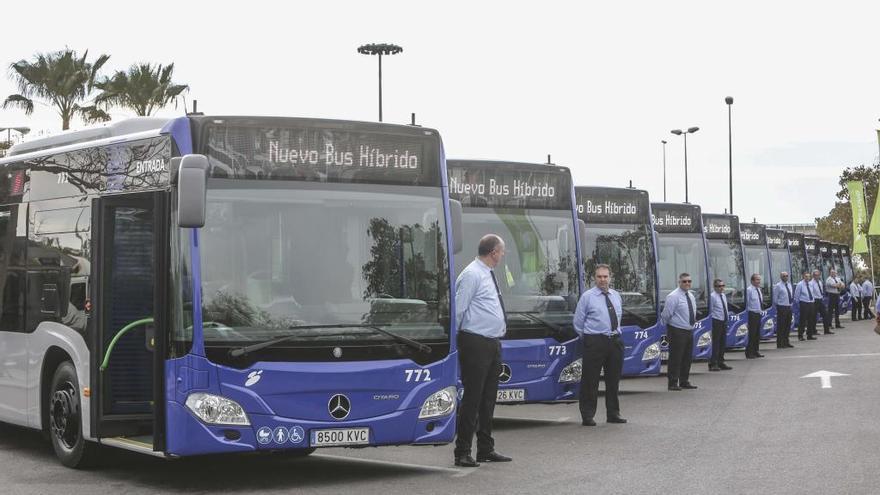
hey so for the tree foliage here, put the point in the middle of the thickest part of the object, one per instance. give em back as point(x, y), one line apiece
point(62, 79)
point(144, 88)
point(837, 225)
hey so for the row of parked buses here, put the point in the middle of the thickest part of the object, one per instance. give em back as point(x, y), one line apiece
point(204, 285)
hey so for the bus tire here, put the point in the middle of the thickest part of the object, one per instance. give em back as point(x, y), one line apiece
point(65, 420)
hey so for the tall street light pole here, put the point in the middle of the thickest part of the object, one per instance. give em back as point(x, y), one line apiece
point(380, 49)
point(679, 132)
point(664, 169)
point(729, 101)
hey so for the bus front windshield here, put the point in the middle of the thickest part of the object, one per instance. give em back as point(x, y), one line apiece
point(726, 263)
point(780, 262)
point(798, 264)
point(629, 251)
point(682, 253)
point(756, 262)
point(827, 266)
point(538, 275)
point(847, 268)
point(284, 258)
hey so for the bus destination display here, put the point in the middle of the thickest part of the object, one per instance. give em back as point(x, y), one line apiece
point(608, 205)
point(720, 226)
point(752, 233)
point(509, 185)
point(674, 218)
point(775, 239)
point(320, 154)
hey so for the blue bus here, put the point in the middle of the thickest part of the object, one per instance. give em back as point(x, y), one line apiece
point(531, 207)
point(811, 246)
point(756, 254)
point(798, 254)
point(726, 261)
point(619, 234)
point(780, 261)
point(206, 285)
point(681, 248)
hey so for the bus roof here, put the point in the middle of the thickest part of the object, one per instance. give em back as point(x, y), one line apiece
point(459, 162)
point(135, 125)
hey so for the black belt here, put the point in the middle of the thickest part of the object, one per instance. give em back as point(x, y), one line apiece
point(607, 336)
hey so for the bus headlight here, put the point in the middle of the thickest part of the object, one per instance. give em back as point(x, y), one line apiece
point(439, 403)
point(705, 340)
point(572, 372)
point(742, 330)
point(216, 410)
point(652, 352)
point(769, 324)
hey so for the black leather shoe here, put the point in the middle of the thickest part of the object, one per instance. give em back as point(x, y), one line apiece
point(674, 387)
point(724, 366)
point(493, 457)
point(751, 357)
point(801, 339)
point(714, 368)
point(829, 332)
point(466, 461)
point(588, 422)
point(838, 326)
point(688, 386)
point(616, 419)
point(759, 355)
point(812, 338)
point(789, 346)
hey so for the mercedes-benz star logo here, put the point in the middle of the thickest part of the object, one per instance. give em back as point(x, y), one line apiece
point(505, 374)
point(663, 341)
point(339, 406)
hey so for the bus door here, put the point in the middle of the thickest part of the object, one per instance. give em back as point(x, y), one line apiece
point(129, 341)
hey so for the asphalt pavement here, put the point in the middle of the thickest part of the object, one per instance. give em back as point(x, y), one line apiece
point(759, 428)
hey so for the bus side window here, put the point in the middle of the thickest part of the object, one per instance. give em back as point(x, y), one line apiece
point(11, 273)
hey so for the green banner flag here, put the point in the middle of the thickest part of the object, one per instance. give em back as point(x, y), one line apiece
point(859, 214)
point(874, 228)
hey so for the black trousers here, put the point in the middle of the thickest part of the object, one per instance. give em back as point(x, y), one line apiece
point(807, 319)
point(783, 325)
point(821, 312)
point(834, 309)
point(866, 308)
point(681, 352)
point(719, 342)
point(480, 361)
point(754, 334)
point(601, 352)
point(856, 302)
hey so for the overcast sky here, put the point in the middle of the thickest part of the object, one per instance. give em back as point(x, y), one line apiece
point(596, 84)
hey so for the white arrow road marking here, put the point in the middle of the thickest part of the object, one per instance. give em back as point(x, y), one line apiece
point(824, 376)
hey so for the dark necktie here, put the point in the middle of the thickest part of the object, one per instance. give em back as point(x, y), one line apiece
point(809, 290)
point(821, 287)
point(691, 316)
point(723, 305)
point(788, 290)
point(498, 291)
point(612, 313)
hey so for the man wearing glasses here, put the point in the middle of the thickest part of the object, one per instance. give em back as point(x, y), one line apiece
point(720, 315)
point(679, 316)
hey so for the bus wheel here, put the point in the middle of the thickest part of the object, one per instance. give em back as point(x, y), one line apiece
point(65, 420)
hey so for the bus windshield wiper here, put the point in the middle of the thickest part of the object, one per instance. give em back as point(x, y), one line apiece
point(241, 351)
point(552, 326)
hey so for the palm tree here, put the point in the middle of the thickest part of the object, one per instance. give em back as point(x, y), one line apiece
point(143, 88)
point(61, 78)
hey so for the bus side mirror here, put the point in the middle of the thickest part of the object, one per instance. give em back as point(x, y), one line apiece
point(455, 218)
point(192, 190)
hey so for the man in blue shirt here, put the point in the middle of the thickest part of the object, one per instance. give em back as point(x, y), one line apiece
point(720, 314)
point(803, 294)
point(783, 298)
point(867, 295)
point(479, 312)
point(753, 306)
point(855, 292)
point(597, 320)
point(679, 315)
point(819, 302)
